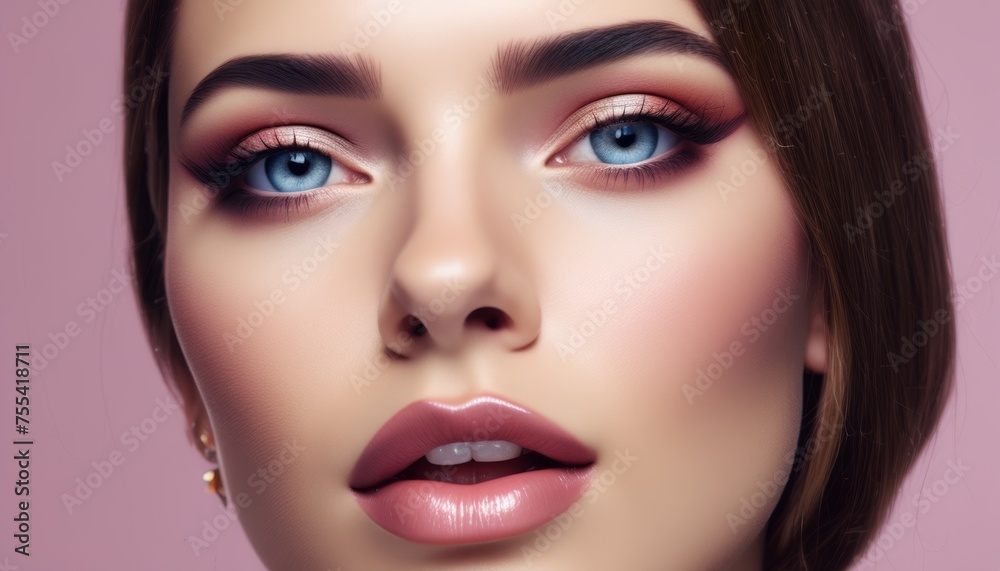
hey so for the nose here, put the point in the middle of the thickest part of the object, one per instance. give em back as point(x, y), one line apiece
point(453, 282)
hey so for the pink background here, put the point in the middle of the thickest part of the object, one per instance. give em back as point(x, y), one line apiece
point(60, 243)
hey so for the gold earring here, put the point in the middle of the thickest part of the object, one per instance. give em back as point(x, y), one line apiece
point(208, 446)
point(213, 479)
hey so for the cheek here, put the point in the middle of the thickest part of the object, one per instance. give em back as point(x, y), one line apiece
point(707, 288)
point(271, 331)
point(701, 368)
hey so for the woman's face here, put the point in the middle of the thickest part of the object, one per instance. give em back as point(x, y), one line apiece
point(546, 228)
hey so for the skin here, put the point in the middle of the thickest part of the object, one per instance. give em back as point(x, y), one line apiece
point(399, 246)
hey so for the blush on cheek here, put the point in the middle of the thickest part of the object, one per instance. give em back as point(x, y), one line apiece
point(732, 309)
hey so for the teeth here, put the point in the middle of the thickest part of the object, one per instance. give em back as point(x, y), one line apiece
point(462, 452)
point(494, 451)
point(450, 454)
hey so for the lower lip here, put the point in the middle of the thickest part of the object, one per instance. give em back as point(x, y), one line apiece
point(440, 513)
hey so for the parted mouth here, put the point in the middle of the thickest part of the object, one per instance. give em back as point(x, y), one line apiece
point(480, 440)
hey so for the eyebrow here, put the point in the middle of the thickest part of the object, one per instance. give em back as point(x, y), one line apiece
point(313, 74)
point(516, 66)
point(522, 65)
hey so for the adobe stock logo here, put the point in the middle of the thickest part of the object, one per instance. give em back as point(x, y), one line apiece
point(923, 501)
point(625, 288)
point(753, 329)
point(292, 279)
point(363, 35)
point(265, 478)
point(33, 24)
point(557, 18)
point(107, 466)
point(765, 492)
point(546, 537)
point(92, 138)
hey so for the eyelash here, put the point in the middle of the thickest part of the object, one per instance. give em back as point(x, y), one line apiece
point(693, 130)
point(238, 160)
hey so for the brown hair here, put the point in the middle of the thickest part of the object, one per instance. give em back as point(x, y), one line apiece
point(830, 86)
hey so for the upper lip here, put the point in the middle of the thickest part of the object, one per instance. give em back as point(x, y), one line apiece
point(424, 425)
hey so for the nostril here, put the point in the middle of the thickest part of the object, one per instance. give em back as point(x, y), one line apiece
point(491, 317)
point(414, 326)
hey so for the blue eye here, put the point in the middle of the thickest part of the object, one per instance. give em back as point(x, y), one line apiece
point(294, 170)
point(627, 143)
point(622, 144)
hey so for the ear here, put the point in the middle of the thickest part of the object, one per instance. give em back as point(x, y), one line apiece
point(817, 340)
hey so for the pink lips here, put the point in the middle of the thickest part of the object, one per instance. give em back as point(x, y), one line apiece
point(436, 512)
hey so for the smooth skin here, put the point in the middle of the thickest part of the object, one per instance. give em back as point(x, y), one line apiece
point(678, 266)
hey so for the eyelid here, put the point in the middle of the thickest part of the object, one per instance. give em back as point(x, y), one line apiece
point(276, 139)
point(223, 168)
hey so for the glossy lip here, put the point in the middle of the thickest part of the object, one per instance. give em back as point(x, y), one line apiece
point(435, 512)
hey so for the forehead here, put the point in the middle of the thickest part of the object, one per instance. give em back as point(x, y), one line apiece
point(415, 44)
